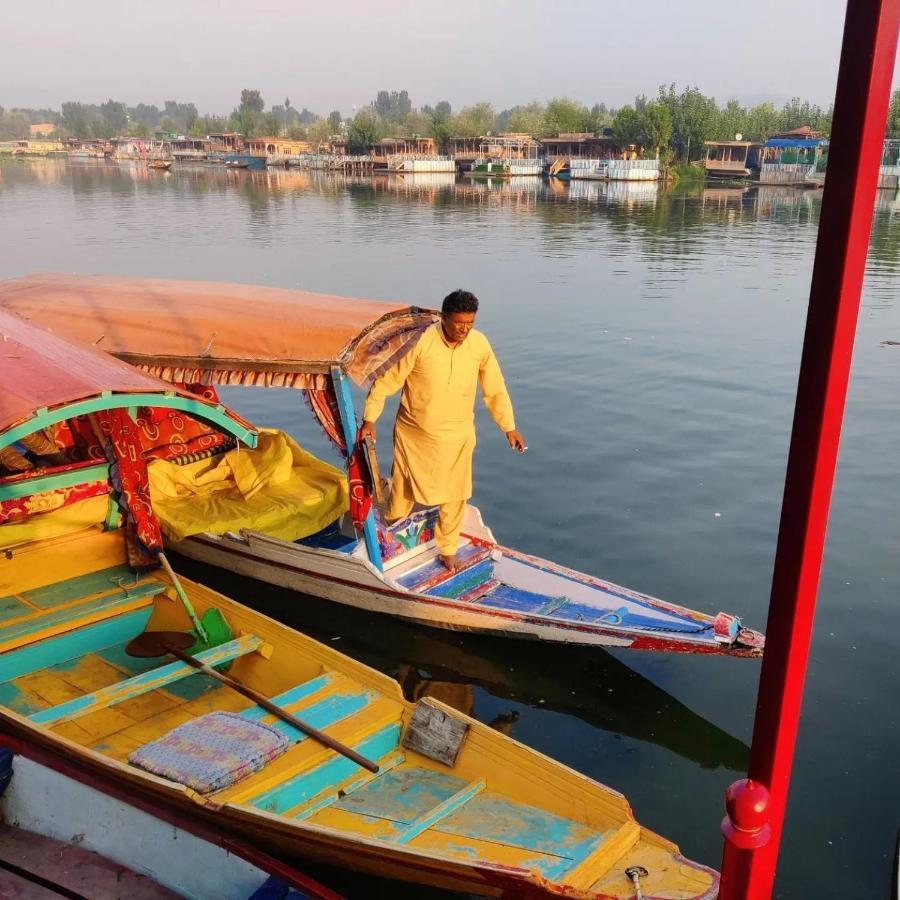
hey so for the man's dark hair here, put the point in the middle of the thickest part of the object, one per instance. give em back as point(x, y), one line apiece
point(460, 301)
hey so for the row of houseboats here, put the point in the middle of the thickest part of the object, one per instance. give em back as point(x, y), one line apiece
point(114, 448)
point(795, 158)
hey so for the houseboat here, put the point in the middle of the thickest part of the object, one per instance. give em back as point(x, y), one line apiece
point(889, 172)
point(415, 154)
point(732, 159)
point(794, 158)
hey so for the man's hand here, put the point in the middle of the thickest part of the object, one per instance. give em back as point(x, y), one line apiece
point(366, 430)
point(516, 441)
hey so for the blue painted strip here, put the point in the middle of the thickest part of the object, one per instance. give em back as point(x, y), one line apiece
point(324, 713)
point(464, 581)
point(144, 683)
point(348, 424)
point(294, 695)
point(302, 787)
point(39, 623)
point(89, 639)
point(13, 698)
point(12, 608)
point(436, 567)
point(576, 856)
point(514, 599)
point(613, 591)
point(42, 483)
point(81, 586)
point(384, 765)
point(449, 806)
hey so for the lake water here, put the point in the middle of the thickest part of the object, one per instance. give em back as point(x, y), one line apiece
point(651, 342)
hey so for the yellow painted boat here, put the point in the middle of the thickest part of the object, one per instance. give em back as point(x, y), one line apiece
point(453, 803)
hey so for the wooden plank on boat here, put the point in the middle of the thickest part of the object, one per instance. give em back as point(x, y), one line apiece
point(435, 734)
point(145, 682)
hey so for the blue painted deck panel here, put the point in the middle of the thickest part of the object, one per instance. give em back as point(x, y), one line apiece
point(144, 683)
point(12, 608)
point(438, 813)
point(514, 599)
point(304, 787)
point(492, 817)
point(464, 581)
point(187, 689)
point(80, 642)
point(403, 795)
point(436, 567)
point(84, 585)
point(71, 613)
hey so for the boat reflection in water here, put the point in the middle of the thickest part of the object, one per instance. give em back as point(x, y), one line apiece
point(585, 682)
point(626, 193)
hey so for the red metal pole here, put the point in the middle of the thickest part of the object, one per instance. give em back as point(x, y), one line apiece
point(756, 806)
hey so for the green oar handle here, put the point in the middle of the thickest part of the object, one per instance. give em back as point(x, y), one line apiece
point(183, 597)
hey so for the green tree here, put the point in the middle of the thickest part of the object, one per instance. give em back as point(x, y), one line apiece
point(656, 127)
point(628, 126)
point(732, 121)
point(893, 122)
point(247, 118)
point(474, 121)
point(565, 115)
point(393, 106)
point(115, 118)
point(761, 122)
point(335, 121)
point(439, 121)
point(363, 131)
point(694, 119)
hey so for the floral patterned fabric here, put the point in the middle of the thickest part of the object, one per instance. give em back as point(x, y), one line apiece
point(212, 752)
point(21, 508)
point(324, 406)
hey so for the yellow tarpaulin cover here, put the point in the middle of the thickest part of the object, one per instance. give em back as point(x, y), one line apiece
point(278, 489)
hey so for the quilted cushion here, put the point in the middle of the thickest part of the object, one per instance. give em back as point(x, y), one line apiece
point(211, 752)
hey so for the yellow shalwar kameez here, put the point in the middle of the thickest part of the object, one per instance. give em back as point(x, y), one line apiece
point(434, 435)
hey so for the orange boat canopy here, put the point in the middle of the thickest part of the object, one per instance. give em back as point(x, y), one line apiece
point(194, 331)
point(42, 376)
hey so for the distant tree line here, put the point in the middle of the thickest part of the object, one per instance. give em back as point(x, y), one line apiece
point(674, 124)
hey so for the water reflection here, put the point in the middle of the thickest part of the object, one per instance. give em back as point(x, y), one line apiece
point(586, 683)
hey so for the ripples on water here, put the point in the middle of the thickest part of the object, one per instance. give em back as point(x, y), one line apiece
point(651, 343)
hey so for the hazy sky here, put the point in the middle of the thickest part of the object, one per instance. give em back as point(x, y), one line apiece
point(336, 55)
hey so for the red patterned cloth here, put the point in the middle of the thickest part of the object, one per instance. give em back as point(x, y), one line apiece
point(129, 477)
point(324, 406)
point(21, 508)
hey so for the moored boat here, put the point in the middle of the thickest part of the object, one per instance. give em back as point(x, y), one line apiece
point(161, 164)
point(366, 780)
point(237, 334)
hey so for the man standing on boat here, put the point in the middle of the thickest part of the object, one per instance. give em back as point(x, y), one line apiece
point(434, 435)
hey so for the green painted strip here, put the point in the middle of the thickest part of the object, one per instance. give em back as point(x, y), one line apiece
point(441, 811)
point(144, 683)
point(214, 415)
point(12, 607)
point(551, 606)
point(81, 586)
point(72, 613)
point(54, 482)
point(89, 639)
point(292, 696)
point(113, 514)
point(384, 765)
point(576, 855)
point(326, 712)
point(302, 787)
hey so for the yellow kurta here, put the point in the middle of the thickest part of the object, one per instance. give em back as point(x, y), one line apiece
point(434, 436)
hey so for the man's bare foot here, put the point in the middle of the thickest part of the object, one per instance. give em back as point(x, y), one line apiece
point(451, 562)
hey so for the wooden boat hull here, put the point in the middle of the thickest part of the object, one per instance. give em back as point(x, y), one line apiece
point(80, 716)
point(350, 580)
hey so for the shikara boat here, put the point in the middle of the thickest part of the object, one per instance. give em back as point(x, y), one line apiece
point(207, 333)
point(366, 781)
point(161, 164)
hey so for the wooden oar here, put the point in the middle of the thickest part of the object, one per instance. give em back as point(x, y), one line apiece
point(267, 705)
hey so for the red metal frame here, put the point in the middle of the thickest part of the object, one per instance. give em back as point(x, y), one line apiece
point(756, 806)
